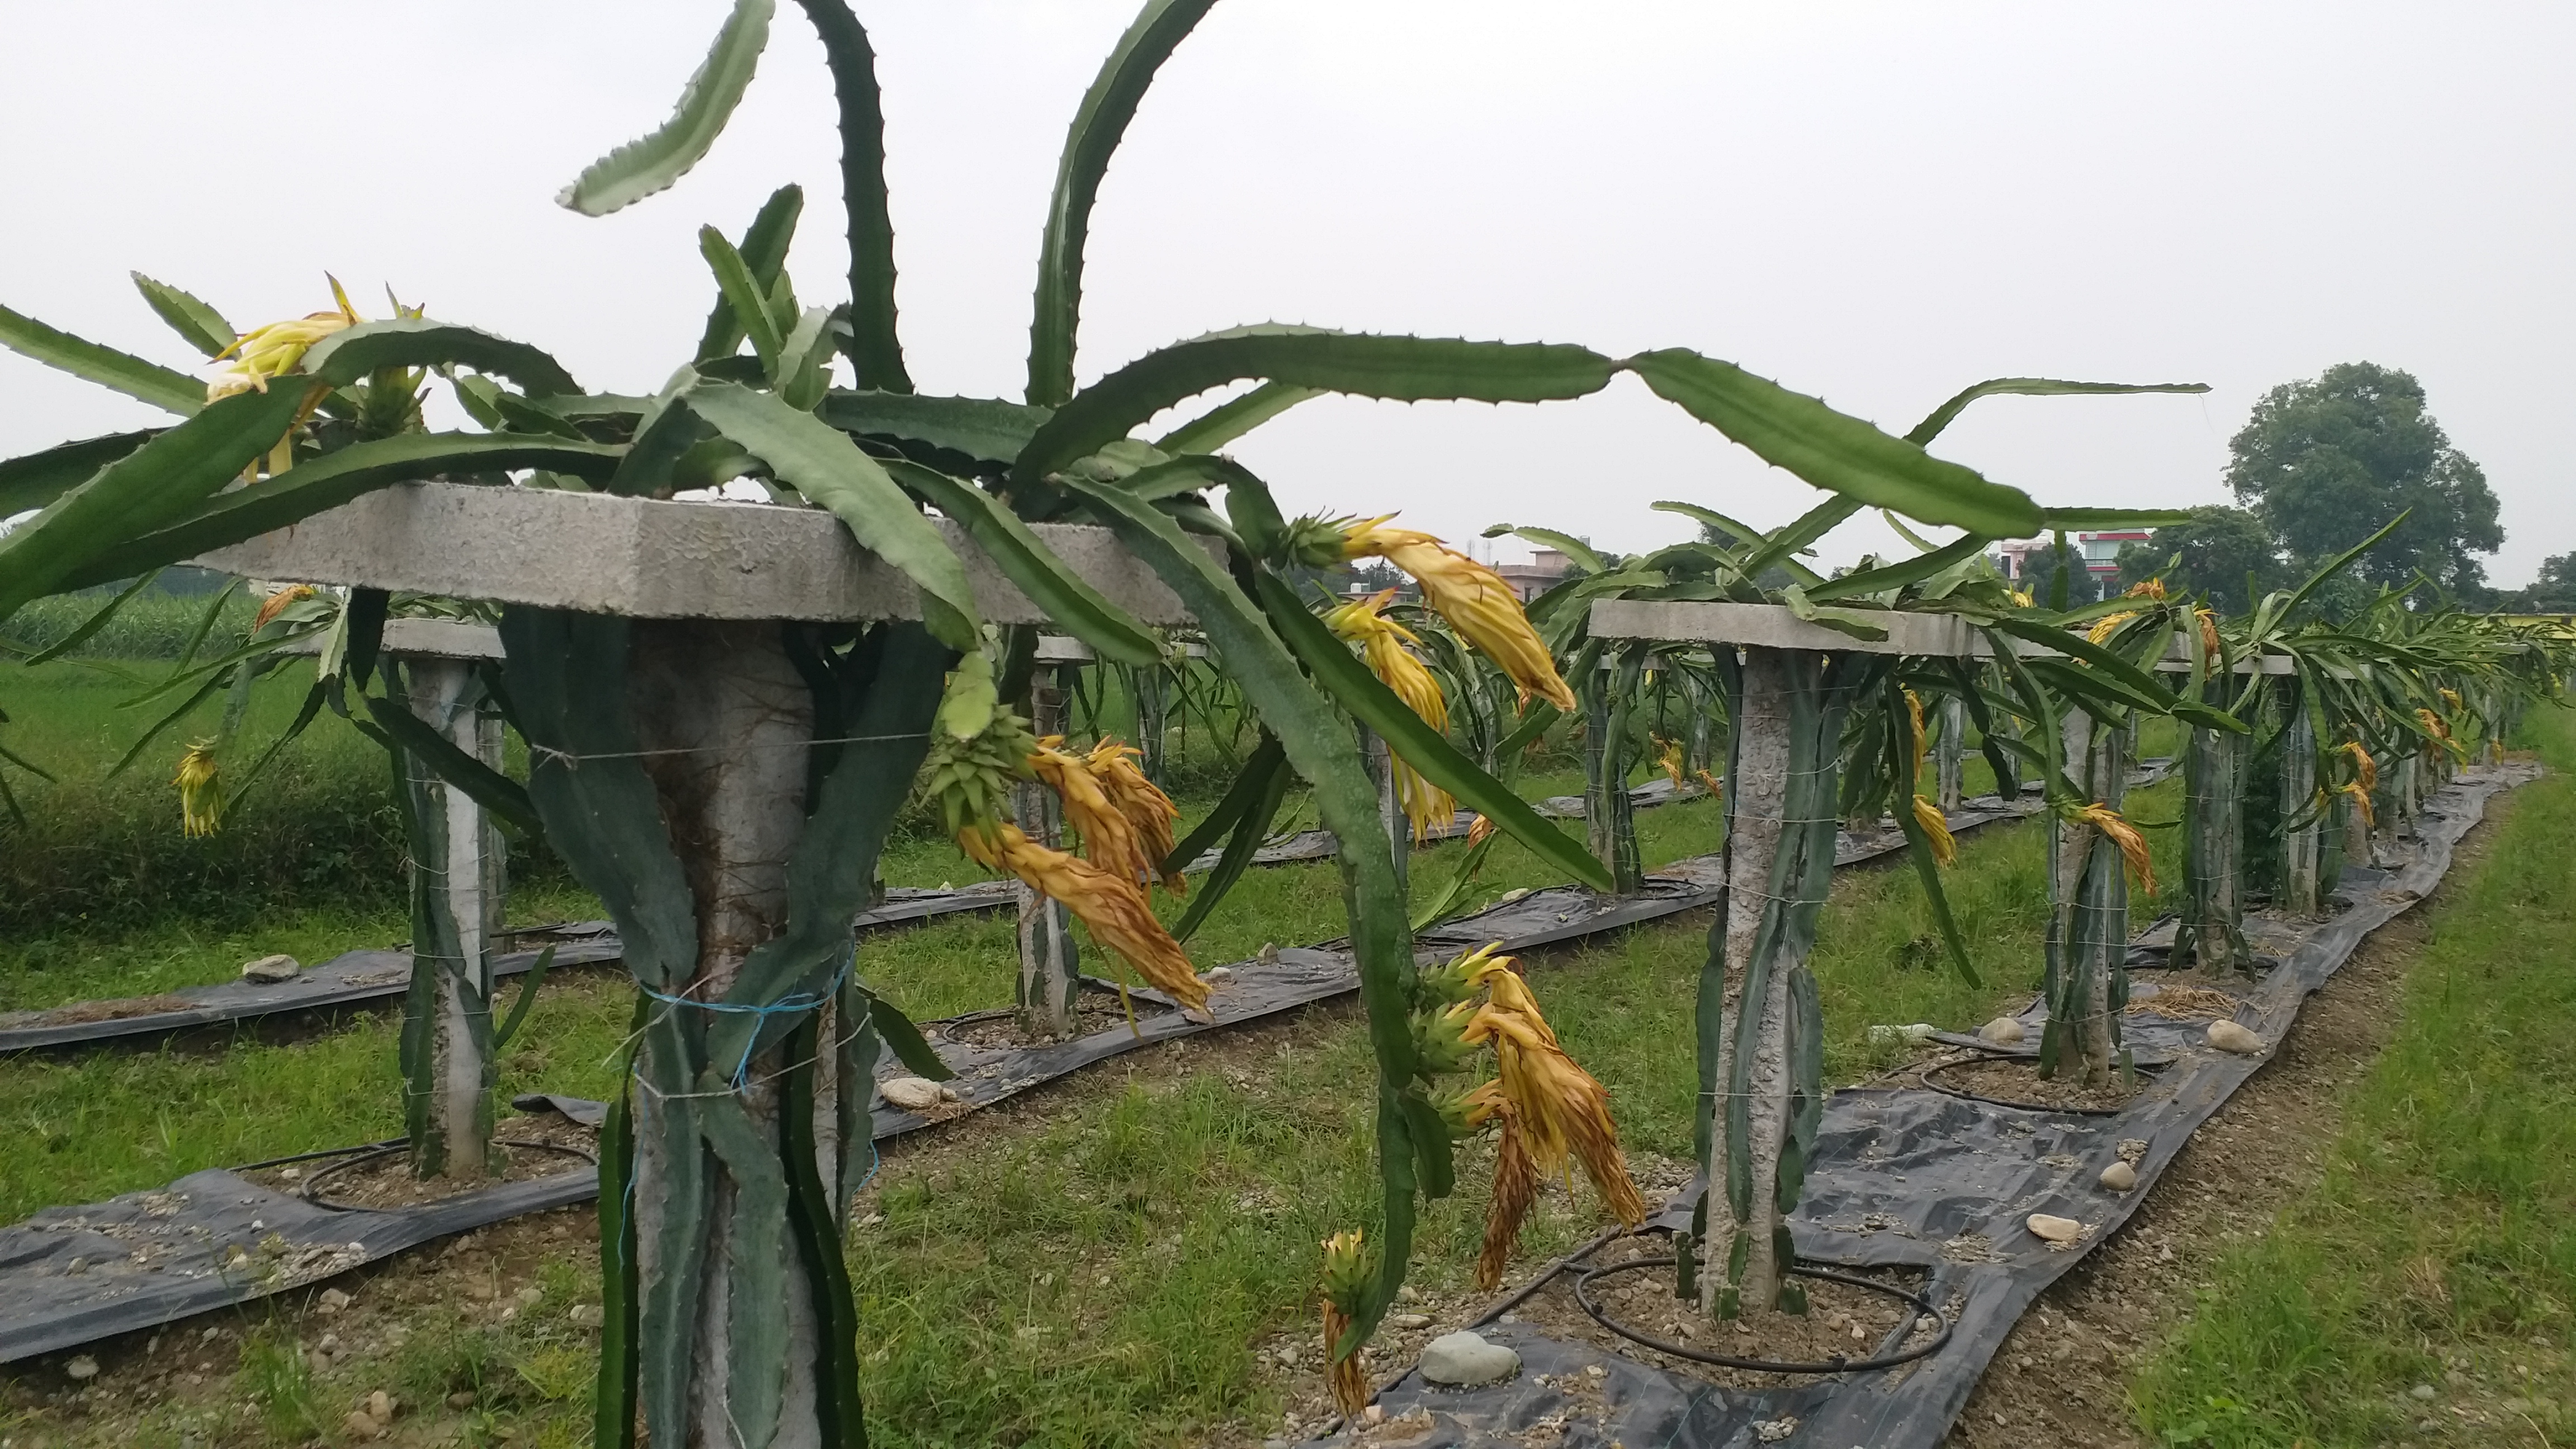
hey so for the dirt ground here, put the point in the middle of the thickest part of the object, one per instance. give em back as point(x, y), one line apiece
point(2060, 1379)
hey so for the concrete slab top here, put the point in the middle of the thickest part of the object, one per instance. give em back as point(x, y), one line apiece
point(644, 558)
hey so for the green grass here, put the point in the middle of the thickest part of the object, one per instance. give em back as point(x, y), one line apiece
point(2441, 1237)
point(81, 1128)
point(1093, 1264)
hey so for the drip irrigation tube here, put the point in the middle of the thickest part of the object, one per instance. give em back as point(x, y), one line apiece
point(1930, 1077)
point(1923, 1308)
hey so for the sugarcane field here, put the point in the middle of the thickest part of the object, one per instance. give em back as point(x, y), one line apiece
point(1649, 725)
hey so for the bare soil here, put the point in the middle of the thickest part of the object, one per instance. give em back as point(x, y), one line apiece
point(81, 1012)
point(1841, 1322)
point(2061, 1376)
point(2015, 1081)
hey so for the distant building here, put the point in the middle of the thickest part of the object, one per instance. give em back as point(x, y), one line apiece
point(1545, 570)
point(2023, 558)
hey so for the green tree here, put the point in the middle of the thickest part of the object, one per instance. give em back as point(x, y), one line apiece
point(2326, 462)
point(2214, 554)
point(2554, 592)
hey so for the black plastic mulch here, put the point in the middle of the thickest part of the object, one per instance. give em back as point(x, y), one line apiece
point(357, 979)
point(1912, 1178)
point(72, 1275)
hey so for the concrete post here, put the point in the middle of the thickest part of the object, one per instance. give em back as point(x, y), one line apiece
point(1050, 967)
point(458, 880)
point(1949, 753)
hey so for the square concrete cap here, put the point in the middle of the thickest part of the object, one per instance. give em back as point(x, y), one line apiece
point(648, 559)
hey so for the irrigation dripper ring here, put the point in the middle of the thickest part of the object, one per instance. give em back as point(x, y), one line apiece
point(1929, 1074)
point(309, 1188)
point(1922, 1309)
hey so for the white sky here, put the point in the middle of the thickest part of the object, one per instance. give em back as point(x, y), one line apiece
point(1876, 202)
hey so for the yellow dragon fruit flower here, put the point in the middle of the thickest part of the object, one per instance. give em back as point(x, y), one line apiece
point(1108, 836)
point(1668, 756)
point(977, 750)
point(1562, 1111)
point(1473, 598)
point(2365, 768)
point(277, 348)
point(2104, 628)
point(1936, 828)
point(276, 604)
point(1112, 906)
point(1382, 642)
point(201, 803)
point(2208, 635)
point(2133, 846)
point(1147, 808)
point(1348, 1267)
point(1927, 816)
point(1516, 1182)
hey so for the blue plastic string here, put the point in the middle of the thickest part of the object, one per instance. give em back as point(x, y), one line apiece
point(801, 1001)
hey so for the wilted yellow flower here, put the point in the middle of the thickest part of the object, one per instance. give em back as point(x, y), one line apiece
point(276, 604)
point(2102, 629)
point(1382, 642)
point(1935, 825)
point(201, 804)
point(2151, 589)
point(1144, 804)
point(277, 348)
point(2133, 846)
point(2360, 794)
point(1481, 830)
point(1473, 598)
point(1108, 837)
point(1557, 1105)
point(1516, 1180)
point(1111, 905)
point(2433, 724)
point(2209, 635)
point(1348, 1266)
point(2451, 697)
point(1705, 778)
point(1945, 846)
point(2364, 767)
point(1668, 755)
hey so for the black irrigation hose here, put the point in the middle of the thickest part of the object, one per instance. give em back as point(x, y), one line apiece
point(1928, 1075)
point(1545, 1276)
point(368, 1147)
point(1923, 1307)
point(310, 1188)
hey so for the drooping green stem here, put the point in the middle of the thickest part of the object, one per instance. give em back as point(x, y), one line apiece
point(1610, 821)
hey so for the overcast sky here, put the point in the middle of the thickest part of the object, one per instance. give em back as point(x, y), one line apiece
point(1875, 202)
